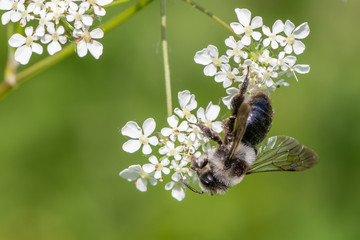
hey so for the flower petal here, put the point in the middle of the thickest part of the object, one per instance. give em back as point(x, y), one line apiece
point(178, 193)
point(141, 184)
point(256, 22)
point(166, 131)
point(146, 149)
point(131, 129)
point(299, 47)
point(237, 27)
point(302, 31)
point(169, 185)
point(153, 140)
point(95, 48)
point(278, 27)
point(37, 48)
point(131, 146)
point(131, 173)
point(23, 54)
point(97, 33)
point(82, 48)
point(244, 16)
point(173, 121)
point(17, 40)
point(210, 70)
point(149, 126)
point(302, 68)
point(202, 57)
point(153, 160)
point(148, 168)
point(212, 111)
point(289, 27)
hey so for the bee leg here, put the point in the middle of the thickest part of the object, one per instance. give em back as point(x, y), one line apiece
point(195, 165)
point(228, 128)
point(209, 133)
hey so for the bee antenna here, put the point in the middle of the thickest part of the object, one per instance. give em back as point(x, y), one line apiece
point(192, 189)
point(245, 84)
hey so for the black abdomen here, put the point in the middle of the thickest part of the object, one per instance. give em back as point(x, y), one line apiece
point(259, 120)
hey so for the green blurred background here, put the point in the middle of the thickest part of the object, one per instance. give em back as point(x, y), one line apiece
point(60, 147)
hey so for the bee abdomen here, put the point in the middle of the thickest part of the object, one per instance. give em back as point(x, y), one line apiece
point(259, 120)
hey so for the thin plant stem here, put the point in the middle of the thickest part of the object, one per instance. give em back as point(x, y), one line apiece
point(213, 16)
point(166, 58)
point(35, 69)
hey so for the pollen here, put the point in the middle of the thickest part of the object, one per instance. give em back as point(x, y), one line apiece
point(29, 41)
point(143, 139)
point(216, 62)
point(290, 39)
point(248, 31)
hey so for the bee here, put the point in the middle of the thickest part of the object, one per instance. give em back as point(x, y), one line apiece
point(238, 154)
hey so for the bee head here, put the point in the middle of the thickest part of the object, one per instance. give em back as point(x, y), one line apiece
point(209, 181)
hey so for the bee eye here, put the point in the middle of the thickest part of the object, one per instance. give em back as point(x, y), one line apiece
point(207, 179)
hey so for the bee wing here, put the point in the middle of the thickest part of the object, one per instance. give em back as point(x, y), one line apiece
point(283, 153)
point(240, 126)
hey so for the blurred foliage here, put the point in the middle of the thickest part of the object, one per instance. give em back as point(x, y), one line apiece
point(61, 149)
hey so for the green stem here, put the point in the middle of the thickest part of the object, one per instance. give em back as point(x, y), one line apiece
point(33, 70)
point(213, 16)
point(166, 58)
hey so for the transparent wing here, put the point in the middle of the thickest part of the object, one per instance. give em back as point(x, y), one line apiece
point(283, 153)
point(240, 126)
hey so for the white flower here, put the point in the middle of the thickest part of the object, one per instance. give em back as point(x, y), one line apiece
point(26, 15)
point(281, 82)
point(266, 59)
point(267, 74)
point(97, 5)
point(157, 167)
point(226, 76)
point(244, 17)
point(136, 172)
point(26, 45)
point(139, 136)
point(78, 15)
point(44, 20)
point(273, 39)
point(290, 68)
point(38, 6)
point(179, 169)
point(231, 93)
point(54, 37)
point(86, 42)
point(208, 117)
point(14, 13)
point(175, 131)
point(209, 57)
point(177, 190)
point(236, 50)
point(187, 104)
point(58, 9)
point(170, 150)
point(291, 43)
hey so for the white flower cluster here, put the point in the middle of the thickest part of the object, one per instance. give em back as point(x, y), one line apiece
point(267, 54)
point(52, 22)
point(176, 144)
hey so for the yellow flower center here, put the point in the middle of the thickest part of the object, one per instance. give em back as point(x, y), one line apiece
point(248, 31)
point(143, 139)
point(186, 113)
point(29, 41)
point(290, 39)
point(216, 62)
point(144, 175)
point(208, 123)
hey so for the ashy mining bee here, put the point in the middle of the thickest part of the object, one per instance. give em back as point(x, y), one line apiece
point(238, 154)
